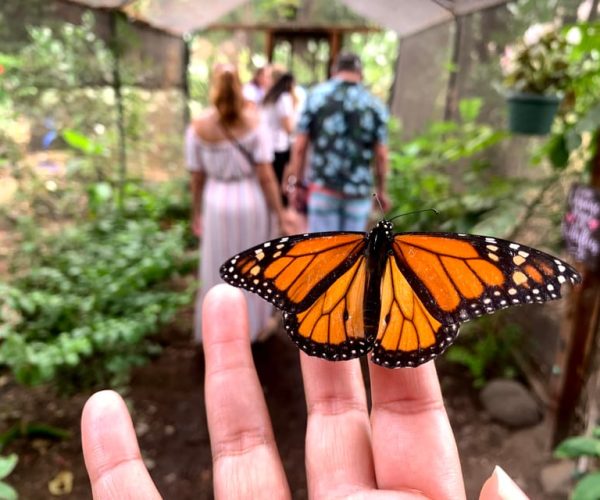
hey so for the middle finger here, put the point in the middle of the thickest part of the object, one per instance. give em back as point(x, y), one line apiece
point(338, 434)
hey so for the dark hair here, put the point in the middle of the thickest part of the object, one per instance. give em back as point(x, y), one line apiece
point(258, 72)
point(285, 83)
point(347, 61)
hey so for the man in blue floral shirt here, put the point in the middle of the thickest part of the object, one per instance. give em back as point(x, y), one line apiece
point(346, 128)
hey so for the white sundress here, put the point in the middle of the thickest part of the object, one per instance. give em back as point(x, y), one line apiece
point(235, 215)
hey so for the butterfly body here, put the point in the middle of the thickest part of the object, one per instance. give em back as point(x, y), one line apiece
point(400, 296)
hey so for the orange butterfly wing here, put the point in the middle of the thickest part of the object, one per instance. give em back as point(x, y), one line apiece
point(408, 335)
point(333, 326)
point(318, 280)
point(434, 281)
point(459, 277)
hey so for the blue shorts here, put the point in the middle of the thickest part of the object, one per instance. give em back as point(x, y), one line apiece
point(328, 212)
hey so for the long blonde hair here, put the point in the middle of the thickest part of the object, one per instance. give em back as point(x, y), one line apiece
point(226, 94)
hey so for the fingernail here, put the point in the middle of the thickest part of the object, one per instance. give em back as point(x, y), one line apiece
point(499, 486)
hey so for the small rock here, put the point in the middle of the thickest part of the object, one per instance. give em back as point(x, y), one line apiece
point(40, 445)
point(170, 478)
point(142, 428)
point(62, 484)
point(556, 477)
point(149, 463)
point(206, 475)
point(510, 403)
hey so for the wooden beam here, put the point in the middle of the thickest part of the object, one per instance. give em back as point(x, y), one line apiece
point(579, 337)
point(335, 45)
point(270, 45)
point(185, 80)
point(290, 28)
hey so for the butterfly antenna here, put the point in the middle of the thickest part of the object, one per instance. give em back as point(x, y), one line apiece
point(379, 203)
point(416, 212)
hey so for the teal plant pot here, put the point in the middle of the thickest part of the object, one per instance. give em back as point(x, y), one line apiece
point(531, 114)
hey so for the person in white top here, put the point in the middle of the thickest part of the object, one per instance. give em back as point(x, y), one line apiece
point(254, 91)
point(236, 200)
point(279, 113)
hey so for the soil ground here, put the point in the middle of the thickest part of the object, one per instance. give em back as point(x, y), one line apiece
point(167, 402)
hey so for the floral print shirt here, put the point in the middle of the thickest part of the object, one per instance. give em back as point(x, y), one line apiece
point(344, 122)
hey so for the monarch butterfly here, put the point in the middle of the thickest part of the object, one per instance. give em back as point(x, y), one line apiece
point(401, 296)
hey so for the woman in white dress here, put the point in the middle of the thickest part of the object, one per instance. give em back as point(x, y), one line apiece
point(235, 196)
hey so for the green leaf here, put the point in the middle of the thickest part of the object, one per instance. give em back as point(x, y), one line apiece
point(558, 152)
point(7, 492)
point(588, 488)
point(469, 109)
point(101, 192)
point(81, 142)
point(9, 61)
point(7, 464)
point(578, 446)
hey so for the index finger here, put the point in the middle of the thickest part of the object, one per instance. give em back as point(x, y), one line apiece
point(246, 462)
point(111, 452)
point(413, 443)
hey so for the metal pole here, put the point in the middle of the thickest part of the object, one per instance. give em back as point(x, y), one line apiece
point(185, 80)
point(452, 91)
point(117, 88)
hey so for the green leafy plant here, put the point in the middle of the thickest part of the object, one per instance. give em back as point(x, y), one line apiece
point(79, 311)
point(485, 349)
point(32, 430)
point(55, 67)
point(588, 486)
point(576, 130)
point(426, 172)
point(7, 465)
point(538, 62)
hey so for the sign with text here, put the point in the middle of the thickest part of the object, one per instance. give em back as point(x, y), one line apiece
point(581, 225)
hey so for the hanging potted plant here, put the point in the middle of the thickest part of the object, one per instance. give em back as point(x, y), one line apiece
point(536, 71)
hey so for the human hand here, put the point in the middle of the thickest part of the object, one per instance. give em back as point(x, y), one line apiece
point(384, 201)
point(197, 225)
point(404, 449)
point(289, 222)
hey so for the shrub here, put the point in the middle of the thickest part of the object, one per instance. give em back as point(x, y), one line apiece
point(80, 312)
point(426, 172)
